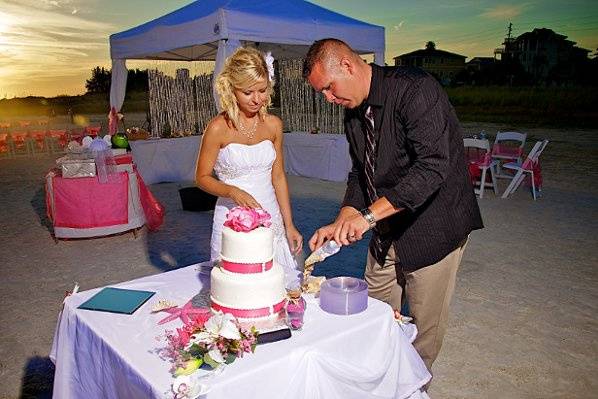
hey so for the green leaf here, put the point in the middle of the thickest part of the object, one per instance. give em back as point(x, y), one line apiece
point(210, 362)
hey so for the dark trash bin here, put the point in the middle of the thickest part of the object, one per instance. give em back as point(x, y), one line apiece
point(197, 200)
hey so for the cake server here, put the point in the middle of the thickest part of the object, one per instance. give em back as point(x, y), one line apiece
point(326, 250)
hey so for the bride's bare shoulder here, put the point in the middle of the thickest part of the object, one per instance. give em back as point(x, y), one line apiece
point(217, 126)
point(273, 121)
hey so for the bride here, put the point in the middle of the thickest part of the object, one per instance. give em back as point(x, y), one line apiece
point(242, 147)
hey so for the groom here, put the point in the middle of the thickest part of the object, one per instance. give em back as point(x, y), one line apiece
point(408, 183)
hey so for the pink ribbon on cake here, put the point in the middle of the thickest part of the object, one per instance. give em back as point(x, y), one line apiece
point(246, 268)
point(250, 313)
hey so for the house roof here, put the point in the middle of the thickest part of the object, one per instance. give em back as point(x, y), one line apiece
point(431, 53)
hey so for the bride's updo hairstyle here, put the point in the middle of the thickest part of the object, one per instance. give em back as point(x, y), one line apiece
point(241, 70)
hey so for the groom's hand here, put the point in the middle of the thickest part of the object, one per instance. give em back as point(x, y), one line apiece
point(349, 226)
point(321, 235)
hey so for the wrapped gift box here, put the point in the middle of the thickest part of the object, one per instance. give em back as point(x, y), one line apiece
point(78, 168)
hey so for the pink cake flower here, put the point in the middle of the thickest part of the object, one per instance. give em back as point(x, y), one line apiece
point(244, 219)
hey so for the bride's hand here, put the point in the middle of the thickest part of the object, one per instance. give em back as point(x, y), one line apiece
point(243, 198)
point(295, 240)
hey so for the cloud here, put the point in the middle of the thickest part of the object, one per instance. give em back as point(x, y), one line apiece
point(399, 26)
point(504, 11)
point(51, 44)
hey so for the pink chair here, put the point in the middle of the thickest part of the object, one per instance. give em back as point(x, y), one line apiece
point(480, 162)
point(508, 147)
point(529, 167)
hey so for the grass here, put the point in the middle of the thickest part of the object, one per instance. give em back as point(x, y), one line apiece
point(532, 106)
point(525, 106)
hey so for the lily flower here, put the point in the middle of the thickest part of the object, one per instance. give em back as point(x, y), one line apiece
point(219, 325)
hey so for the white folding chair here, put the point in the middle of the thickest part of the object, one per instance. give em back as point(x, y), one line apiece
point(527, 167)
point(478, 154)
point(508, 147)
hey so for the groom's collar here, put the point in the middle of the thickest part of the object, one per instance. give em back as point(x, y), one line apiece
point(376, 94)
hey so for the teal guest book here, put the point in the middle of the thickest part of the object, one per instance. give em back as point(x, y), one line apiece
point(117, 300)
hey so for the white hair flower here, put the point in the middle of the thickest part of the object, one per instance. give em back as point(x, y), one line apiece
point(270, 64)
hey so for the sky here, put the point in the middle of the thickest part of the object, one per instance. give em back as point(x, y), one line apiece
point(48, 47)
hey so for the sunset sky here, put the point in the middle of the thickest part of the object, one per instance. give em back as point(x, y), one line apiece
point(48, 47)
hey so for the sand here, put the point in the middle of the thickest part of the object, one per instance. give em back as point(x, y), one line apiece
point(523, 318)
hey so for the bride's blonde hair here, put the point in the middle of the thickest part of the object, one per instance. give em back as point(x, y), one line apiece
point(241, 70)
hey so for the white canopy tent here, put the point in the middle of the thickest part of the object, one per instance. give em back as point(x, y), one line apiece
point(213, 29)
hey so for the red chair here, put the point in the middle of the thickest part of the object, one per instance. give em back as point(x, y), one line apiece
point(56, 140)
point(20, 143)
point(77, 135)
point(92, 131)
point(39, 138)
point(4, 147)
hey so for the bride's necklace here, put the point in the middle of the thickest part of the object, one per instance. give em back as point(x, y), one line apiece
point(248, 131)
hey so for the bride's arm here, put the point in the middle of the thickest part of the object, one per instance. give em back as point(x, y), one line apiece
point(281, 188)
point(211, 142)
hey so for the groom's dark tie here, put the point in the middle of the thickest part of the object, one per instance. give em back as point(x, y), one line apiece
point(370, 163)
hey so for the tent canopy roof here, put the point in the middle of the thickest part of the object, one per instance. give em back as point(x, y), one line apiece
point(285, 27)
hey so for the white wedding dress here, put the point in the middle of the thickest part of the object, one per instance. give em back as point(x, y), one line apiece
point(249, 167)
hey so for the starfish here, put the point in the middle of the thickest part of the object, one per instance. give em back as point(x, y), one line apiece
point(185, 313)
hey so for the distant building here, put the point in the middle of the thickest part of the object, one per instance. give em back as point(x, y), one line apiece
point(480, 63)
point(545, 55)
point(443, 64)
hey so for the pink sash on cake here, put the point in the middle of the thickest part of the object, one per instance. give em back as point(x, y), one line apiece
point(250, 313)
point(246, 268)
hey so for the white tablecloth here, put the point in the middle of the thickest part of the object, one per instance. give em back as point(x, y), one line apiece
point(166, 160)
point(323, 156)
point(106, 355)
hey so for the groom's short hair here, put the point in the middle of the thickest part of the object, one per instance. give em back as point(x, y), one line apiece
point(321, 51)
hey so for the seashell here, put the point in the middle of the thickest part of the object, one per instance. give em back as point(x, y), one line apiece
point(162, 304)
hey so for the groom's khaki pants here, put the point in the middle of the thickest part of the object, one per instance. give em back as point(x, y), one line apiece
point(428, 292)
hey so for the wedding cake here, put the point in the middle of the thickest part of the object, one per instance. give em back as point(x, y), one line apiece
point(246, 282)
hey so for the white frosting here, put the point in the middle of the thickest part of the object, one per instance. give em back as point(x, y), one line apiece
point(247, 291)
point(255, 246)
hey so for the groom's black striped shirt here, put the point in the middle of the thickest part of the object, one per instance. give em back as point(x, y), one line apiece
point(420, 166)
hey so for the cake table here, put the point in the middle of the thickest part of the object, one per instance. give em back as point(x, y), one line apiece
point(109, 355)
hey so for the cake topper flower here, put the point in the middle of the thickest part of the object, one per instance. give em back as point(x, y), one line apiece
point(270, 64)
point(244, 219)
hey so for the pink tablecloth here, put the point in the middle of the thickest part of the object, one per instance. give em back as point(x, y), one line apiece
point(84, 207)
point(84, 202)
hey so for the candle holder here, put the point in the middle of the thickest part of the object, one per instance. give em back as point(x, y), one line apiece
point(295, 310)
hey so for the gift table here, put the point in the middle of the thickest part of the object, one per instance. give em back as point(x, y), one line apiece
point(83, 207)
point(109, 355)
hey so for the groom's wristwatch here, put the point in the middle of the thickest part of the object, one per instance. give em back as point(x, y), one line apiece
point(369, 217)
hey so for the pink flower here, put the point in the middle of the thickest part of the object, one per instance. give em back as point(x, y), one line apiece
point(243, 219)
point(264, 218)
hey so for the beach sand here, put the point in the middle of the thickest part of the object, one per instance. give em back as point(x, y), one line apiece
point(523, 319)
